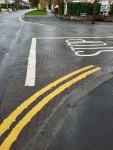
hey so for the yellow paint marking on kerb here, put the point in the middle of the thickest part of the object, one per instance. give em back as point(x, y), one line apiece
point(12, 117)
point(27, 118)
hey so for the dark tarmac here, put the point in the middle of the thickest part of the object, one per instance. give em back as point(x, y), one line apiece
point(88, 124)
point(91, 119)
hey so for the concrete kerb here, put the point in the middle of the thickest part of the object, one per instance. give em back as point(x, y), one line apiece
point(22, 19)
point(52, 126)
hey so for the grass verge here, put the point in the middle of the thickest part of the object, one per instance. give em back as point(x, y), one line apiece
point(37, 12)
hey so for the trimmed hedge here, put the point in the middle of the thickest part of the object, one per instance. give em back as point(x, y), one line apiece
point(18, 6)
point(3, 6)
point(61, 8)
point(111, 10)
point(79, 7)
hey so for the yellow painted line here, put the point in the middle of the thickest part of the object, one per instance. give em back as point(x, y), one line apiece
point(27, 118)
point(12, 117)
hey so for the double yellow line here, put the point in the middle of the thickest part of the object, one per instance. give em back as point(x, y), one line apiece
point(27, 118)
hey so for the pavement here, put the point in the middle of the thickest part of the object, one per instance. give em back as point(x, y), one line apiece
point(50, 19)
point(83, 121)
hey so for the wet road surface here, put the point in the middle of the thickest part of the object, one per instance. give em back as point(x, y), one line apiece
point(54, 58)
point(89, 124)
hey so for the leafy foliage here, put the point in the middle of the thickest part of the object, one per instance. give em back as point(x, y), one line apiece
point(111, 10)
point(61, 8)
point(18, 6)
point(43, 4)
point(77, 8)
point(34, 3)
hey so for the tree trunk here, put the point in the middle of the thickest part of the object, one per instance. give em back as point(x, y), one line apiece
point(94, 12)
point(43, 4)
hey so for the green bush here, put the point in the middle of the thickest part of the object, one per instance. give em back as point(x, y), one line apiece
point(3, 5)
point(111, 10)
point(77, 8)
point(18, 6)
point(61, 8)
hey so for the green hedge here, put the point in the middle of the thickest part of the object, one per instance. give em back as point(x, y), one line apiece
point(18, 6)
point(77, 8)
point(3, 5)
point(111, 10)
point(61, 8)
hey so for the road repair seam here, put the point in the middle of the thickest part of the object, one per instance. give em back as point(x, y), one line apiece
point(80, 92)
point(43, 138)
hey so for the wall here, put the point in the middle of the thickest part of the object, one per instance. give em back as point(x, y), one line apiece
point(88, 18)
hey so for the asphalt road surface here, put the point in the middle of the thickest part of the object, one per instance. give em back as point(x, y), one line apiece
point(32, 57)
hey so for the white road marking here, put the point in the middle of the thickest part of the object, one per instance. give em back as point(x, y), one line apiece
point(97, 53)
point(31, 68)
point(72, 42)
point(92, 45)
point(20, 19)
point(74, 48)
point(81, 41)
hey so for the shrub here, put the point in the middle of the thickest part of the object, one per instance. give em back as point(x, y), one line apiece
point(77, 8)
point(18, 6)
point(111, 10)
point(61, 8)
point(3, 5)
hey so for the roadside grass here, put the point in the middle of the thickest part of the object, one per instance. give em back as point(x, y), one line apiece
point(37, 12)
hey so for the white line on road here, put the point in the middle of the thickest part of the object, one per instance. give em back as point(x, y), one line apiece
point(75, 42)
point(83, 41)
point(79, 53)
point(74, 48)
point(31, 68)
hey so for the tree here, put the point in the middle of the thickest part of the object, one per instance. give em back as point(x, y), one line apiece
point(94, 12)
point(49, 4)
point(43, 4)
point(34, 3)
